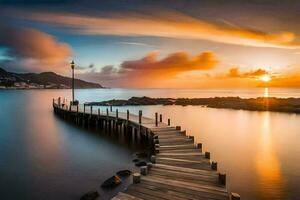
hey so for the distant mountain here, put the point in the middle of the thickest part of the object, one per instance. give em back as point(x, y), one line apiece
point(41, 80)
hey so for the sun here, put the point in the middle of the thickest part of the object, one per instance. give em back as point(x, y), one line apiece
point(265, 78)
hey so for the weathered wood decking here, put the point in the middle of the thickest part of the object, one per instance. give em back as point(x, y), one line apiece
point(179, 168)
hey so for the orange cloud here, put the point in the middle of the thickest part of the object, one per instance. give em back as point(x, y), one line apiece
point(171, 65)
point(167, 24)
point(235, 73)
point(33, 49)
point(150, 71)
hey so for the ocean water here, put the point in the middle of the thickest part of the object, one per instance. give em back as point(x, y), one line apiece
point(44, 157)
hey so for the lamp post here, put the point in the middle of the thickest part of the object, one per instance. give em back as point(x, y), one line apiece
point(72, 66)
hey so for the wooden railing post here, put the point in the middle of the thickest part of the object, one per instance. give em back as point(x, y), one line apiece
point(110, 108)
point(91, 110)
point(127, 117)
point(117, 114)
point(140, 117)
point(156, 119)
point(160, 118)
point(169, 122)
point(98, 113)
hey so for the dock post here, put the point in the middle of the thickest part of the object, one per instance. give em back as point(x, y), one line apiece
point(144, 170)
point(91, 110)
point(110, 108)
point(214, 165)
point(136, 178)
point(235, 196)
point(156, 119)
point(58, 101)
point(140, 116)
point(160, 118)
point(199, 146)
point(153, 159)
point(207, 155)
point(117, 114)
point(127, 122)
point(106, 123)
point(169, 122)
point(178, 128)
point(222, 178)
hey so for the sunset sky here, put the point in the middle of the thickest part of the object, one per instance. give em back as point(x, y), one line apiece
point(170, 43)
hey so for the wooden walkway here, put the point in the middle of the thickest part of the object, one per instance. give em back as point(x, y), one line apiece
point(179, 169)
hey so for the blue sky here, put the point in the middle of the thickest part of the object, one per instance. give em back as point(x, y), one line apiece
point(126, 39)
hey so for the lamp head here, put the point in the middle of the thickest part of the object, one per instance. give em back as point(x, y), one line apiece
point(72, 64)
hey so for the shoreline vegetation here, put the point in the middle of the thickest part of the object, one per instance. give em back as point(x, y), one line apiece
point(290, 105)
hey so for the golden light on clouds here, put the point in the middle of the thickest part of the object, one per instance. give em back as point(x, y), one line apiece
point(265, 78)
point(168, 24)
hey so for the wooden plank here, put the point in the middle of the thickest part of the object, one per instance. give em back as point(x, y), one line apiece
point(181, 170)
point(124, 196)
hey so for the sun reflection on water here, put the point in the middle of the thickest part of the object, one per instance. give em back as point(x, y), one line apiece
point(266, 92)
point(267, 164)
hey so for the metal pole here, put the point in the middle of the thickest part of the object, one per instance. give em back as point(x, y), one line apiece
point(72, 66)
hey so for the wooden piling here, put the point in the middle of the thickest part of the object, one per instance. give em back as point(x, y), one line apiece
point(156, 119)
point(140, 117)
point(214, 165)
point(127, 116)
point(160, 118)
point(136, 178)
point(222, 178)
point(144, 170)
point(207, 155)
point(169, 122)
point(153, 159)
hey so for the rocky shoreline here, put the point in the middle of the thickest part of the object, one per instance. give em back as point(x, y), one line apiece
point(290, 105)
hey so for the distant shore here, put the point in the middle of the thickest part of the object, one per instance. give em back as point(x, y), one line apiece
point(290, 105)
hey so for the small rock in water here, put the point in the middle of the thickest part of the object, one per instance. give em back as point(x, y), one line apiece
point(135, 160)
point(112, 182)
point(124, 173)
point(141, 163)
point(91, 195)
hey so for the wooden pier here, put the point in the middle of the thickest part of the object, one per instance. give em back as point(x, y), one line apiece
point(177, 168)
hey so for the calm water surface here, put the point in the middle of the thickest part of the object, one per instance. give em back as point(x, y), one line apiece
point(43, 157)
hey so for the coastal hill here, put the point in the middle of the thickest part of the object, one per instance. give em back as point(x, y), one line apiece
point(256, 104)
point(40, 80)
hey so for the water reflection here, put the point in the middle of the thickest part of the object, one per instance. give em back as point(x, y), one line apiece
point(270, 179)
point(266, 92)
